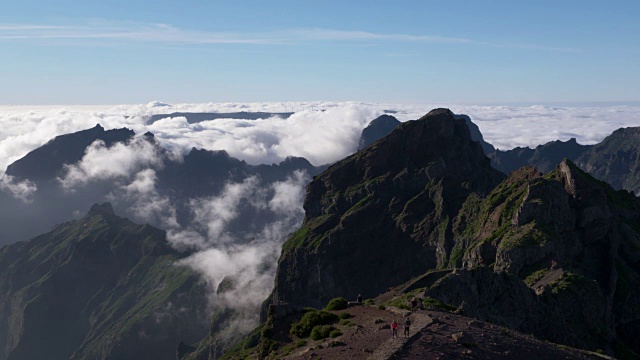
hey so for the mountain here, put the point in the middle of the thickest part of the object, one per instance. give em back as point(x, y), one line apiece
point(377, 129)
point(384, 124)
point(391, 205)
point(100, 287)
point(199, 174)
point(543, 157)
point(43, 163)
point(554, 255)
point(613, 160)
point(547, 253)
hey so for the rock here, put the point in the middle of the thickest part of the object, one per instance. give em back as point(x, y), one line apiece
point(463, 338)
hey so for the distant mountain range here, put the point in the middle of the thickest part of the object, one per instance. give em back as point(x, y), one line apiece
point(193, 118)
point(200, 173)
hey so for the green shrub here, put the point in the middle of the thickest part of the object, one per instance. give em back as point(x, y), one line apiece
point(303, 328)
point(346, 322)
point(369, 302)
point(338, 303)
point(382, 307)
point(345, 315)
point(300, 343)
point(320, 332)
point(335, 333)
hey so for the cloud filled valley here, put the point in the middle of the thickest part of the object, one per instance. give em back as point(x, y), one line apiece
point(228, 191)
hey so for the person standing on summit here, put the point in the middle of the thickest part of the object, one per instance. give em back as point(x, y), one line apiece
point(394, 328)
point(407, 324)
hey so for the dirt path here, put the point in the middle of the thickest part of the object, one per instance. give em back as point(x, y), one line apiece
point(387, 349)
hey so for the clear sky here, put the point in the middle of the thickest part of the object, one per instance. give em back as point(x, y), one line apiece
point(501, 51)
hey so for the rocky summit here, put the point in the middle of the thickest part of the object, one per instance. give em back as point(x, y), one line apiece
point(385, 214)
point(422, 211)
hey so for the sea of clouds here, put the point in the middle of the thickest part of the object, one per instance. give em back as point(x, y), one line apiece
point(322, 132)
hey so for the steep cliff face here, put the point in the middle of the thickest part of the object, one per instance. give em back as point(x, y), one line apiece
point(100, 287)
point(385, 214)
point(573, 240)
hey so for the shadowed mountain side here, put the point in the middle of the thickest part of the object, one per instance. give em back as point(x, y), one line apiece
point(46, 162)
point(201, 173)
point(390, 206)
point(100, 287)
point(193, 118)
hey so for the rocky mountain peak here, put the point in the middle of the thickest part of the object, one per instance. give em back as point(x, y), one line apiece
point(391, 205)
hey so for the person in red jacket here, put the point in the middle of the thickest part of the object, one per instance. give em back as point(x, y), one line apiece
point(394, 328)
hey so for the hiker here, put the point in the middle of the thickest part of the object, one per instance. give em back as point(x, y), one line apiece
point(359, 299)
point(414, 304)
point(407, 324)
point(394, 328)
point(420, 304)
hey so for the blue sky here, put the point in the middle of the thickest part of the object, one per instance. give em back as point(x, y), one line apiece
point(484, 52)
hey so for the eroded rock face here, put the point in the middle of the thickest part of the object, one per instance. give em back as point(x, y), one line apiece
point(385, 214)
point(569, 238)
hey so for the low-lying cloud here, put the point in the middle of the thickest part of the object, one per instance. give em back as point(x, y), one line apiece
point(106, 163)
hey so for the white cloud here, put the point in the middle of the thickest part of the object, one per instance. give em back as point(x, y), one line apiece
point(166, 33)
point(322, 132)
point(22, 190)
point(105, 163)
point(145, 201)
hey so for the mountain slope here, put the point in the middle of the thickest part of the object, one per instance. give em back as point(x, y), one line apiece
point(615, 160)
point(100, 287)
point(390, 207)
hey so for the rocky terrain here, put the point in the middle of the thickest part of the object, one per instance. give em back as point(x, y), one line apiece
point(100, 287)
point(435, 333)
point(554, 255)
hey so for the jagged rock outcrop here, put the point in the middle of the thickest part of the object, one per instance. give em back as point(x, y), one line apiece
point(100, 287)
point(385, 214)
point(572, 239)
